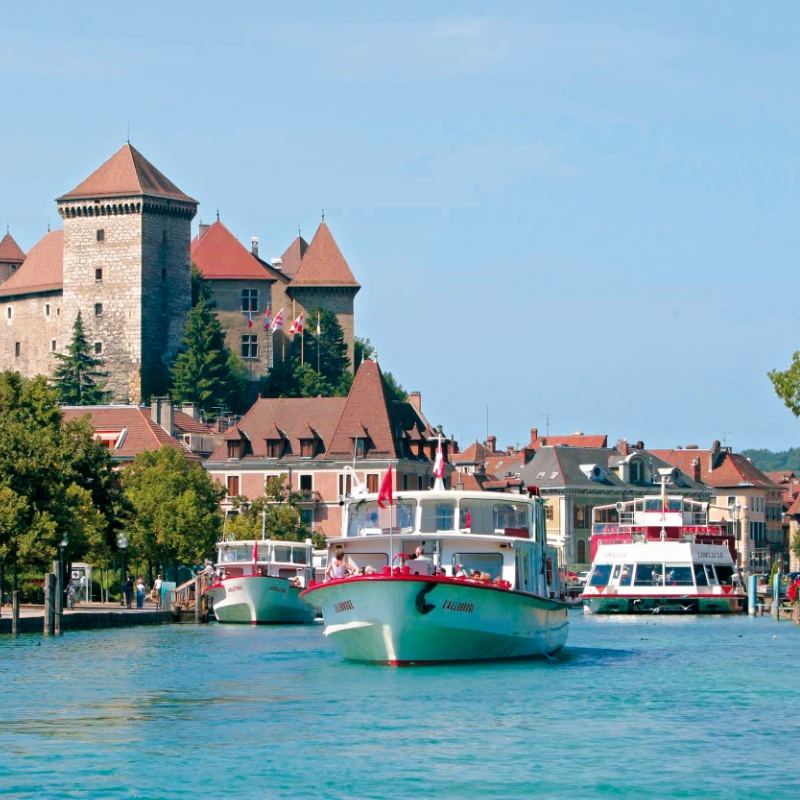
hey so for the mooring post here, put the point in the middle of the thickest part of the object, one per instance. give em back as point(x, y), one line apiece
point(752, 594)
point(59, 597)
point(15, 611)
point(198, 582)
point(776, 595)
point(49, 603)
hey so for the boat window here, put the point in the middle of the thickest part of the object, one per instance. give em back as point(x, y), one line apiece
point(652, 505)
point(649, 575)
point(700, 575)
point(476, 516)
point(299, 555)
point(483, 562)
point(438, 515)
point(617, 568)
point(232, 554)
point(712, 578)
point(606, 514)
point(404, 513)
point(724, 574)
point(679, 576)
point(368, 518)
point(626, 576)
point(600, 575)
point(674, 504)
point(263, 552)
point(511, 515)
point(283, 553)
point(364, 560)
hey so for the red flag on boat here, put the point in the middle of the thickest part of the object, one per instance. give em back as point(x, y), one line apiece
point(385, 493)
point(267, 321)
point(468, 521)
point(255, 557)
point(438, 465)
point(250, 319)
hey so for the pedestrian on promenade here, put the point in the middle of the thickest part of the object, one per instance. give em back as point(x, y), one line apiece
point(71, 595)
point(157, 591)
point(129, 591)
point(140, 593)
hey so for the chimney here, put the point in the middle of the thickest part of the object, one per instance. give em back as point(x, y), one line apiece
point(191, 411)
point(491, 443)
point(534, 434)
point(155, 410)
point(167, 416)
point(202, 231)
point(415, 398)
point(622, 446)
point(277, 263)
point(696, 469)
point(254, 245)
point(713, 455)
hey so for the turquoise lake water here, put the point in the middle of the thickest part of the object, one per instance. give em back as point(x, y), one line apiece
point(634, 707)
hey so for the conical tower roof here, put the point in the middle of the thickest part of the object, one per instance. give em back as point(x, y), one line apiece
point(127, 174)
point(323, 264)
point(290, 260)
point(10, 251)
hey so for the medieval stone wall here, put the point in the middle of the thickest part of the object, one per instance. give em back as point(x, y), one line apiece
point(32, 324)
point(339, 301)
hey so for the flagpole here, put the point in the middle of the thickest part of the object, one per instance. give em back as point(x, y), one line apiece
point(319, 332)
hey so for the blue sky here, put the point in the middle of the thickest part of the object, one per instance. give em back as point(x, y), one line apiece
point(581, 209)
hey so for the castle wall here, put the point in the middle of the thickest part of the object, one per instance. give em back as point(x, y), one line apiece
point(339, 301)
point(34, 324)
point(227, 294)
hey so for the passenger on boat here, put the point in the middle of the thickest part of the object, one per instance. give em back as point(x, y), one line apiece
point(460, 571)
point(485, 576)
point(475, 575)
point(338, 566)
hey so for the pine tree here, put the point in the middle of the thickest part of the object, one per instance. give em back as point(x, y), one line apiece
point(326, 353)
point(79, 377)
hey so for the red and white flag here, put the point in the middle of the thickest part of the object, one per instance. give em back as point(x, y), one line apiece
point(297, 326)
point(438, 465)
point(385, 492)
point(277, 322)
point(267, 320)
point(255, 557)
point(250, 319)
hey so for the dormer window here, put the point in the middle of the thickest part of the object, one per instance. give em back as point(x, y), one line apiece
point(637, 471)
point(274, 448)
point(234, 449)
point(360, 447)
point(308, 448)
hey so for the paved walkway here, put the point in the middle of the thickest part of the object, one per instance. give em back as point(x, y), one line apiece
point(90, 608)
point(86, 615)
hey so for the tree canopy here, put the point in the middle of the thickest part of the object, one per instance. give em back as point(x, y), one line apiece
point(79, 377)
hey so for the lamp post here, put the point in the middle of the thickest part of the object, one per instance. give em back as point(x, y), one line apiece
point(122, 544)
point(62, 545)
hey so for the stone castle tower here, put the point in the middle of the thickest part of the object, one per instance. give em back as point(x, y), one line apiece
point(127, 230)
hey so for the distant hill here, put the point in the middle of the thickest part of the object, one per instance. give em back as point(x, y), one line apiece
point(767, 461)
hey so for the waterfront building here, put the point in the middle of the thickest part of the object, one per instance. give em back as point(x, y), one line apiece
point(744, 496)
point(313, 440)
point(129, 430)
point(573, 480)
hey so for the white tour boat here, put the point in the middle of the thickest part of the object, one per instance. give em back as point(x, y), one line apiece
point(400, 609)
point(259, 582)
point(661, 554)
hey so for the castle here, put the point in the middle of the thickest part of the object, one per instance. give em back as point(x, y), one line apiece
point(122, 259)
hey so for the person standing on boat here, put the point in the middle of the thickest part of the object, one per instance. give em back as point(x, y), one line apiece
point(338, 566)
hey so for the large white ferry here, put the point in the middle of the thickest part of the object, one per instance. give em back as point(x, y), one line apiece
point(661, 554)
point(259, 582)
point(485, 585)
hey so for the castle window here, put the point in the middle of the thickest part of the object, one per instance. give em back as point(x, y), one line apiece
point(52, 345)
point(58, 312)
point(47, 309)
point(17, 349)
point(249, 300)
point(98, 347)
point(163, 275)
point(250, 346)
point(8, 312)
point(98, 274)
point(101, 235)
point(98, 309)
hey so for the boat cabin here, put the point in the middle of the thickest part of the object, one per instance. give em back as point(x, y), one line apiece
point(277, 559)
point(461, 534)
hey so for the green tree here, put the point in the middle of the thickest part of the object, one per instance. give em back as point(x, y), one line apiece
point(787, 384)
point(282, 380)
point(78, 376)
point(395, 390)
point(312, 383)
point(205, 371)
point(175, 504)
point(325, 351)
point(363, 349)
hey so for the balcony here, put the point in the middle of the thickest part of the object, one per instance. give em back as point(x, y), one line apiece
point(310, 497)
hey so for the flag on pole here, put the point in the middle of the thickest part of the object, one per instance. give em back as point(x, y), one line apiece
point(250, 318)
point(297, 325)
point(277, 322)
point(468, 521)
point(319, 323)
point(385, 492)
point(438, 465)
point(255, 557)
point(267, 320)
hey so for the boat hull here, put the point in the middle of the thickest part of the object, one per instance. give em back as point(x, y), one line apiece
point(404, 621)
point(665, 604)
point(259, 600)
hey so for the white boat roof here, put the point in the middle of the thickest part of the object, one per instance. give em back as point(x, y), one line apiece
point(642, 552)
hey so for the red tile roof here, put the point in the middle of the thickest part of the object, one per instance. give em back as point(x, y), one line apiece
point(10, 251)
point(794, 508)
point(475, 454)
point(573, 440)
point(42, 270)
point(127, 174)
point(501, 464)
point(323, 264)
point(732, 469)
point(141, 433)
point(290, 260)
point(290, 415)
point(366, 408)
point(219, 255)
point(187, 424)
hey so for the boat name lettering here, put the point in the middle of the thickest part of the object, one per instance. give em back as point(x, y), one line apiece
point(615, 553)
point(277, 589)
point(345, 605)
point(707, 554)
point(235, 589)
point(450, 605)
